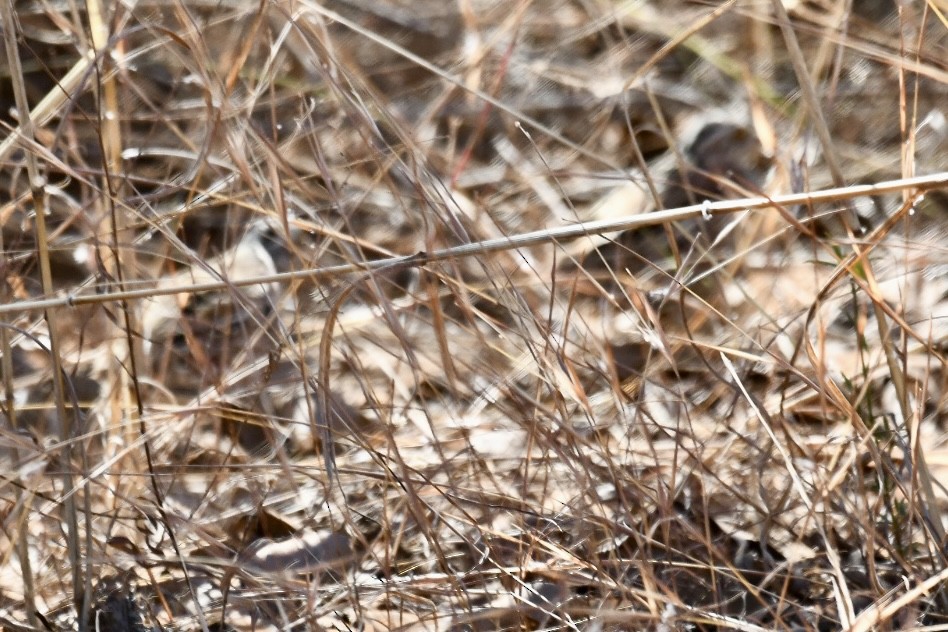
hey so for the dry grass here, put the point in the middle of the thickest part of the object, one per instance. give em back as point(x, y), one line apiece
point(365, 316)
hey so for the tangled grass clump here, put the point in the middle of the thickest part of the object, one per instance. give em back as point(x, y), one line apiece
point(473, 316)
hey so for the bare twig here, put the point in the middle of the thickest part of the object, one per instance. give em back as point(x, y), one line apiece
point(553, 235)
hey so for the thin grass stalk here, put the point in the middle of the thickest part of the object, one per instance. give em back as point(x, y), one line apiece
point(675, 41)
point(23, 552)
point(38, 192)
point(111, 139)
point(562, 234)
point(22, 534)
point(809, 94)
point(920, 467)
point(882, 310)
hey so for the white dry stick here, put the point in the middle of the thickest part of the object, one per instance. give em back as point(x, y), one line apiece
point(513, 242)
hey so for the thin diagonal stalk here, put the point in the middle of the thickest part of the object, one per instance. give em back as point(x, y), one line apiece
point(37, 187)
point(561, 234)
